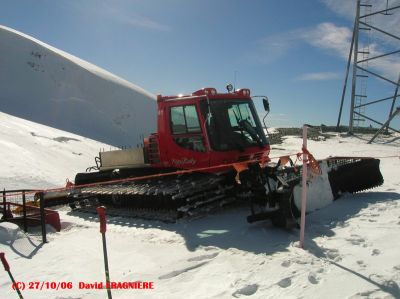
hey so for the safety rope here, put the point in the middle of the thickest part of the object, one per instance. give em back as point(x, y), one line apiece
point(237, 166)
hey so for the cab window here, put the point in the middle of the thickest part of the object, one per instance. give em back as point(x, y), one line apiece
point(185, 120)
point(185, 127)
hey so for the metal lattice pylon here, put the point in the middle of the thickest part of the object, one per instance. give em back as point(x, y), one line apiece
point(361, 56)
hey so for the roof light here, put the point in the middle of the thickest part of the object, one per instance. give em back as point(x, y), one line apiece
point(210, 90)
point(244, 91)
point(205, 91)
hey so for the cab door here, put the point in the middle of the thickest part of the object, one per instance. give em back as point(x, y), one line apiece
point(188, 146)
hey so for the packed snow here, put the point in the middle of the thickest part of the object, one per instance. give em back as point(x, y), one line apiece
point(351, 248)
point(49, 86)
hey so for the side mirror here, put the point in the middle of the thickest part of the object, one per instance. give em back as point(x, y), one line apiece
point(266, 104)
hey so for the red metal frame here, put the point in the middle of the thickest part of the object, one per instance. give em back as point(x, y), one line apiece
point(33, 219)
point(173, 155)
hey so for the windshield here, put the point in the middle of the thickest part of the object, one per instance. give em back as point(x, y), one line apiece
point(234, 125)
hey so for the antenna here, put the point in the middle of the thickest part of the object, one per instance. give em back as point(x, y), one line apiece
point(234, 80)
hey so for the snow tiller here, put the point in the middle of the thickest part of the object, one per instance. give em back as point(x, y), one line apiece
point(210, 150)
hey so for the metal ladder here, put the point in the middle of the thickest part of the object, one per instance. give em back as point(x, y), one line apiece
point(361, 75)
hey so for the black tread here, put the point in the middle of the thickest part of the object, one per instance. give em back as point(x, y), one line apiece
point(178, 195)
point(355, 176)
point(188, 194)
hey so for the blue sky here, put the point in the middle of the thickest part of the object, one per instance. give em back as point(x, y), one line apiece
point(292, 51)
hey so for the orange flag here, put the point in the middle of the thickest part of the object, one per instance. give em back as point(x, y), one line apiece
point(284, 160)
point(239, 167)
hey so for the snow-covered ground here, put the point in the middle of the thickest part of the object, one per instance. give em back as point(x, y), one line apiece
point(37, 156)
point(49, 86)
point(351, 248)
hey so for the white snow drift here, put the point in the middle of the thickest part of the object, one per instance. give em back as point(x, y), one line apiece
point(46, 85)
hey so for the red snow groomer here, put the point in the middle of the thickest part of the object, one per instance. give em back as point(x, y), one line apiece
point(210, 149)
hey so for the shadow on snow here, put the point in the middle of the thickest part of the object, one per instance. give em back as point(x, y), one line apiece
point(229, 228)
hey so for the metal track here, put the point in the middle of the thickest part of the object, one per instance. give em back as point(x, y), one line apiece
point(189, 195)
point(167, 199)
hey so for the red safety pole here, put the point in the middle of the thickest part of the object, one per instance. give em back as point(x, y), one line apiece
point(7, 268)
point(103, 227)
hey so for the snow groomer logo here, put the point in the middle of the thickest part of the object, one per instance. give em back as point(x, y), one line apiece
point(184, 161)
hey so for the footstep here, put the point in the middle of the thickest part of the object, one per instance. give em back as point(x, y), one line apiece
point(376, 252)
point(246, 290)
point(203, 257)
point(312, 277)
point(362, 295)
point(178, 272)
point(361, 263)
point(284, 283)
point(333, 254)
point(356, 240)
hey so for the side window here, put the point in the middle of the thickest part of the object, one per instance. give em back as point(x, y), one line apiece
point(184, 120)
point(178, 120)
point(192, 120)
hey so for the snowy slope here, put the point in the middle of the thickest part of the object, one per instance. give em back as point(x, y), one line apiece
point(46, 85)
point(352, 246)
point(37, 156)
